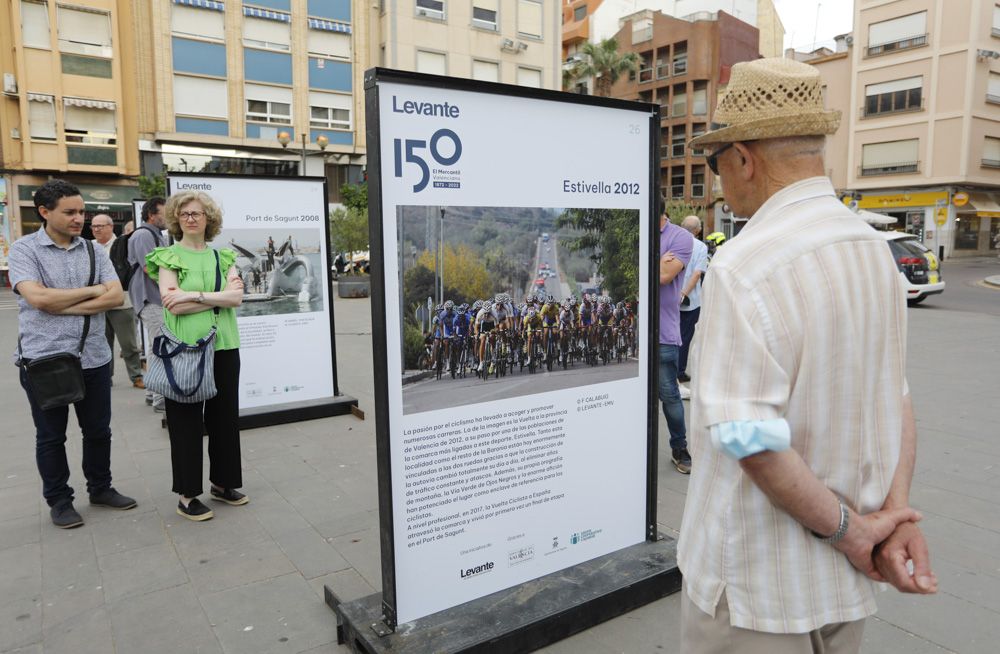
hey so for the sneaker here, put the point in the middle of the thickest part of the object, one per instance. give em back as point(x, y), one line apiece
point(685, 391)
point(112, 499)
point(160, 408)
point(149, 400)
point(138, 383)
point(480, 368)
point(229, 496)
point(195, 510)
point(681, 460)
point(65, 516)
point(683, 377)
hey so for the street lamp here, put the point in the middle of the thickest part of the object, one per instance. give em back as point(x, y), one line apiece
point(284, 138)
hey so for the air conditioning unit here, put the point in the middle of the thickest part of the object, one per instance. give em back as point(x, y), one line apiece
point(9, 84)
point(849, 39)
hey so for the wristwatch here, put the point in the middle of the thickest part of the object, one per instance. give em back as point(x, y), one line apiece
point(201, 297)
point(841, 529)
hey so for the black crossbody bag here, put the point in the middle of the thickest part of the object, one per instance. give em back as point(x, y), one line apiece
point(56, 380)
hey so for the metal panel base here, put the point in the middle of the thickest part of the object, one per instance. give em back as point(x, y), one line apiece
point(280, 414)
point(523, 618)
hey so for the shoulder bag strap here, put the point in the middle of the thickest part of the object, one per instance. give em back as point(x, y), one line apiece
point(90, 282)
point(218, 277)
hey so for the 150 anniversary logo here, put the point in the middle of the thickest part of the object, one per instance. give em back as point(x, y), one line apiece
point(410, 151)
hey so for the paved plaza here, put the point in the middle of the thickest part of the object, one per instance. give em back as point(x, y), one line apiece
point(147, 581)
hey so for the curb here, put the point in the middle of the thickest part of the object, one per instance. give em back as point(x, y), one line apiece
point(993, 281)
point(420, 376)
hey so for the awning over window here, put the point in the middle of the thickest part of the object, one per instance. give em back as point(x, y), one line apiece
point(254, 12)
point(89, 104)
point(982, 203)
point(204, 4)
point(328, 26)
point(40, 97)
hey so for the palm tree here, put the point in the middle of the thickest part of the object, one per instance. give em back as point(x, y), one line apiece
point(605, 64)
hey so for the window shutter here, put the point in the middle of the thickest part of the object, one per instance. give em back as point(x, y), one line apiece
point(191, 21)
point(991, 149)
point(87, 119)
point(897, 29)
point(529, 77)
point(197, 96)
point(274, 33)
point(268, 93)
point(874, 155)
point(487, 71)
point(35, 24)
point(42, 118)
point(529, 18)
point(893, 86)
point(431, 62)
point(333, 44)
point(78, 29)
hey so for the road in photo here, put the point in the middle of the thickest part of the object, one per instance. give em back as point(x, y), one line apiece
point(528, 257)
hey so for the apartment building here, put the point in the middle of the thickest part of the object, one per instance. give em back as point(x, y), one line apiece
point(507, 41)
point(684, 64)
point(270, 87)
point(920, 90)
point(68, 107)
point(596, 20)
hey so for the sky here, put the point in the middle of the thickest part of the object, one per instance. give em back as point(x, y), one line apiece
point(801, 25)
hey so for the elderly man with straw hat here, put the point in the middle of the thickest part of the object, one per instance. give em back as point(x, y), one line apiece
point(802, 423)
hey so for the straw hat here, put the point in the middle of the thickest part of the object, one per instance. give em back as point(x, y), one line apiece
point(770, 98)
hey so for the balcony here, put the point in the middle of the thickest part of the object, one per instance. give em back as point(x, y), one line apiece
point(662, 71)
point(899, 168)
point(677, 191)
point(895, 46)
point(991, 163)
point(577, 32)
point(88, 155)
point(645, 75)
point(697, 190)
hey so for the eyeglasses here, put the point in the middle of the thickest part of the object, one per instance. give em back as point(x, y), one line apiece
point(191, 215)
point(713, 159)
point(100, 226)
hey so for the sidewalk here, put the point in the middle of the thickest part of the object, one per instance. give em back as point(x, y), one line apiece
point(251, 580)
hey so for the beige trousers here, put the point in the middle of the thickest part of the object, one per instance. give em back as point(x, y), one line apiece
point(703, 634)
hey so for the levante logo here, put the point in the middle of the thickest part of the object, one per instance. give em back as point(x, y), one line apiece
point(478, 570)
point(409, 151)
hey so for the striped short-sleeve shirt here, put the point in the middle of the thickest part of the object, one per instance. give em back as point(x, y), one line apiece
point(803, 318)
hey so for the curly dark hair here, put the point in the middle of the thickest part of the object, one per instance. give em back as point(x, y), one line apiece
point(49, 194)
point(151, 205)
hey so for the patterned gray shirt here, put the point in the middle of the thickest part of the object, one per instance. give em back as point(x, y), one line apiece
point(141, 288)
point(36, 258)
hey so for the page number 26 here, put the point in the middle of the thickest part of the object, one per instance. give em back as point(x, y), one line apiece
point(634, 129)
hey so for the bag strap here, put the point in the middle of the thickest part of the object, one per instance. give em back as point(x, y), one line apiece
point(218, 277)
point(90, 282)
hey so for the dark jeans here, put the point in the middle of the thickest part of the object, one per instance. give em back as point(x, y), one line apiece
point(670, 396)
point(688, 320)
point(219, 416)
point(93, 413)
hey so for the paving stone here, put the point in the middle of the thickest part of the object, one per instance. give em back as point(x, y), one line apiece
point(169, 621)
point(276, 515)
point(310, 553)
point(277, 615)
point(22, 500)
point(127, 530)
point(943, 619)
point(86, 633)
point(20, 531)
point(349, 524)
point(160, 568)
point(236, 566)
point(318, 500)
point(362, 551)
point(20, 622)
point(347, 585)
point(283, 467)
point(881, 637)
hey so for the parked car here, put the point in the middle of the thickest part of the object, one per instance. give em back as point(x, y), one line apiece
point(918, 265)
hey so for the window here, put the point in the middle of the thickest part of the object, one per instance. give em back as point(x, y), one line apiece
point(897, 95)
point(580, 12)
point(890, 157)
point(35, 25)
point(268, 34)
point(484, 14)
point(993, 90)
point(678, 141)
point(199, 96)
point(996, 20)
point(529, 18)
point(897, 34)
point(329, 110)
point(681, 58)
point(269, 104)
point(529, 77)
point(697, 181)
point(91, 122)
point(677, 182)
point(699, 99)
point(642, 30)
point(698, 129)
point(433, 63)
point(679, 107)
point(662, 66)
point(41, 117)
point(191, 21)
point(84, 32)
point(330, 44)
point(991, 152)
point(431, 8)
point(487, 71)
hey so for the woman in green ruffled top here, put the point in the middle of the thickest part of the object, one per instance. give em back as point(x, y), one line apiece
point(186, 273)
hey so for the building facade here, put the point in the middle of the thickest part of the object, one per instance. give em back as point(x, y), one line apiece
point(684, 65)
point(921, 129)
point(507, 41)
point(269, 87)
point(68, 107)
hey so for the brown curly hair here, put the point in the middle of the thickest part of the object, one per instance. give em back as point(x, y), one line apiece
point(177, 201)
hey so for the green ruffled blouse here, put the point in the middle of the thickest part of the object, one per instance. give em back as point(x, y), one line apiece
point(196, 272)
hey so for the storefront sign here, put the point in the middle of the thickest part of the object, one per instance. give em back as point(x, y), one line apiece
point(899, 200)
point(960, 199)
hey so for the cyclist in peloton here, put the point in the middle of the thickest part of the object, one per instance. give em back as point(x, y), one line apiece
point(587, 318)
point(486, 321)
point(445, 326)
point(460, 325)
point(532, 323)
point(550, 316)
point(567, 321)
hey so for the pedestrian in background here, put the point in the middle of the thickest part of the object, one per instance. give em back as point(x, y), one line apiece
point(187, 272)
point(675, 252)
point(143, 291)
point(802, 423)
point(120, 322)
point(691, 298)
point(49, 270)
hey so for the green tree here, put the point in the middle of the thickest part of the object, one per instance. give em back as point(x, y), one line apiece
point(605, 64)
point(611, 237)
point(466, 278)
point(349, 230)
point(355, 196)
point(678, 210)
point(154, 185)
